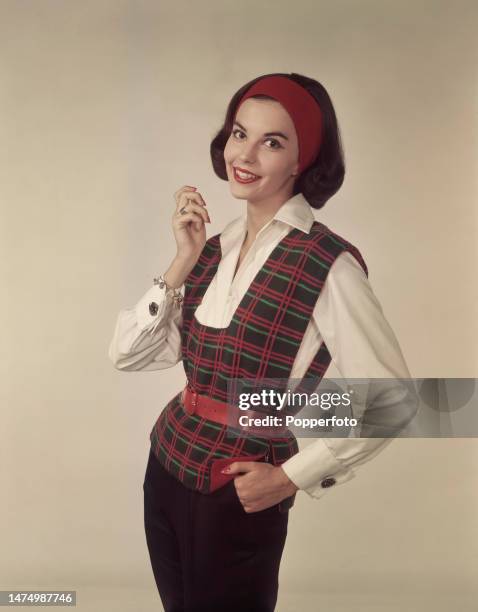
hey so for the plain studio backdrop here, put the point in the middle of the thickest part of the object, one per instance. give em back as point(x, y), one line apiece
point(107, 108)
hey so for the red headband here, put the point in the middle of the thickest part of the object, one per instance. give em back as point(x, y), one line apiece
point(302, 108)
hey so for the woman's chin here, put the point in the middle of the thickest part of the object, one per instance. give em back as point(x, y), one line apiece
point(238, 191)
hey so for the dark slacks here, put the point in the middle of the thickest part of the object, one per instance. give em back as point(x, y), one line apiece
point(207, 553)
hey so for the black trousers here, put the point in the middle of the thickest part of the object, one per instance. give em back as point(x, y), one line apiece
point(207, 553)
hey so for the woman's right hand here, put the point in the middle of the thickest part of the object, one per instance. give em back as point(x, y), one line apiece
point(189, 228)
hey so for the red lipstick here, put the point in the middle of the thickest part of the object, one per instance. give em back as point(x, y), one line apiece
point(245, 177)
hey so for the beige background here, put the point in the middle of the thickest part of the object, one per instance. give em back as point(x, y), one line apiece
point(108, 107)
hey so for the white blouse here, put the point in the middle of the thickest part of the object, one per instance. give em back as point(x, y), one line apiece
point(347, 316)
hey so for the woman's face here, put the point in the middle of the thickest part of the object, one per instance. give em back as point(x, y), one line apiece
point(263, 144)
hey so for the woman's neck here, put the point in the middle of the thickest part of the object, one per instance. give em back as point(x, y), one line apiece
point(260, 213)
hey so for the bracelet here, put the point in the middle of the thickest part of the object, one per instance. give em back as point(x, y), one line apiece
point(176, 294)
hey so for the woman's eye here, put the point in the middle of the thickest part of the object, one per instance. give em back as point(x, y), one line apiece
point(277, 144)
point(238, 134)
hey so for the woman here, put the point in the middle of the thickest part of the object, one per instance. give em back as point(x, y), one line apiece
point(276, 295)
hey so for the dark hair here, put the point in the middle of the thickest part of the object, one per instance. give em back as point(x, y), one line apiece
point(325, 176)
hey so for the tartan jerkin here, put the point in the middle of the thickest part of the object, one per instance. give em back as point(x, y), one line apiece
point(261, 342)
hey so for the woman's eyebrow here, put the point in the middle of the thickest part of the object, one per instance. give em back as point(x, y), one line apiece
point(267, 134)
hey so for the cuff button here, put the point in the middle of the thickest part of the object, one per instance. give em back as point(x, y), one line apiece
point(153, 309)
point(328, 482)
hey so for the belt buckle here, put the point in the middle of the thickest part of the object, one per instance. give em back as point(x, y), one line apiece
point(194, 400)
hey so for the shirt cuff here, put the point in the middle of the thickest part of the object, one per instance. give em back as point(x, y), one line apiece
point(154, 307)
point(315, 469)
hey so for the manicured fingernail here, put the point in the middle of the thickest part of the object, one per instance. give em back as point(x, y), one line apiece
point(225, 470)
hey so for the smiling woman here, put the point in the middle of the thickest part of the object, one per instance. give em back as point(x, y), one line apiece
point(305, 111)
point(260, 166)
point(275, 296)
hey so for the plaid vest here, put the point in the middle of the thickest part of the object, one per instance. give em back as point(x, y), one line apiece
point(261, 341)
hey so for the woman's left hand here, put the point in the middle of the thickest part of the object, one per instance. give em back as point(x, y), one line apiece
point(260, 485)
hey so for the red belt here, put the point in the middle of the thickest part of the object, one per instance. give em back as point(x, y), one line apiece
point(222, 412)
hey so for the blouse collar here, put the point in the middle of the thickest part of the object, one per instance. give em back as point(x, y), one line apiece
point(295, 212)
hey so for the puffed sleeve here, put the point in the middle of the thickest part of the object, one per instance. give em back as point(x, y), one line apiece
point(362, 344)
point(148, 335)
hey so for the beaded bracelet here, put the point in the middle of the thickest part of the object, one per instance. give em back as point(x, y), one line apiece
point(176, 295)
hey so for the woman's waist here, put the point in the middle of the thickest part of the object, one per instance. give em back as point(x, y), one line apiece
point(210, 436)
point(242, 420)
